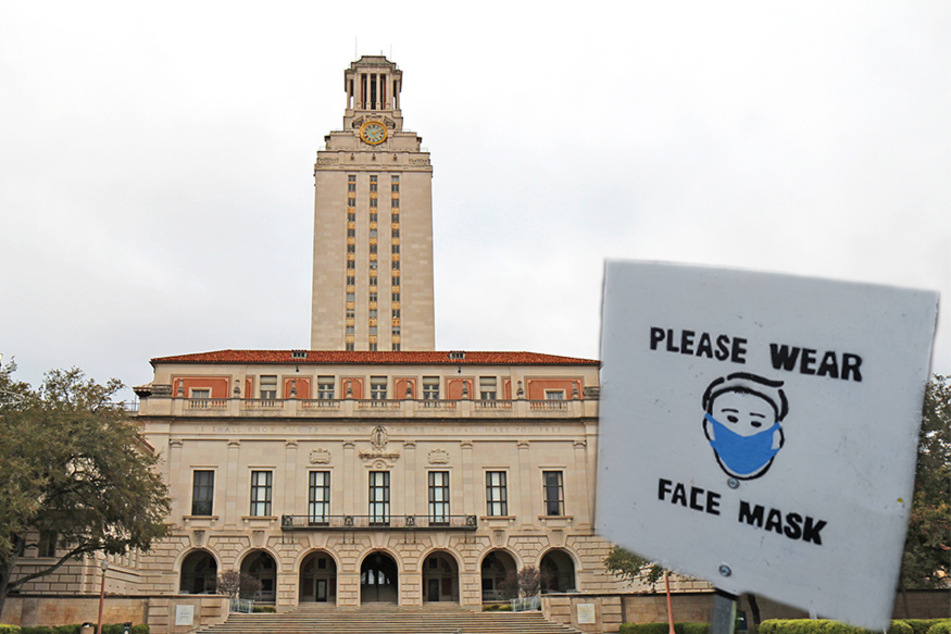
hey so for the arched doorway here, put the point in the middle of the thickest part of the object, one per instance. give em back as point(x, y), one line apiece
point(379, 579)
point(557, 572)
point(318, 578)
point(260, 565)
point(499, 576)
point(199, 573)
point(440, 578)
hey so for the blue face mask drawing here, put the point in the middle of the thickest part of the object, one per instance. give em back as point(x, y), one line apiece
point(743, 456)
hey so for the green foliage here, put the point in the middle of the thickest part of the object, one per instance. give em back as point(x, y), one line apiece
point(264, 609)
point(67, 629)
point(6, 628)
point(505, 607)
point(921, 626)
point(943, 626)
point(695, 628)
point(36, 629)
point(631, 568)
point(926, 561)
point(825, 626)
point(72, 464)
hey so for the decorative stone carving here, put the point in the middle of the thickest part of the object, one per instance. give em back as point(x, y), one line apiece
point(438, 456)
point(319, 456)
point(378, 437)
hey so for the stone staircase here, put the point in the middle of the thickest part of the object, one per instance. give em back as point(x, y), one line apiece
point(387, 619)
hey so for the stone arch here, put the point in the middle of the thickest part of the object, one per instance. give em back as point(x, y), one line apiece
point(557, 571)
point(198, 572)
point(440, 577)
point(317, 577)
point(262, 565)
point(499, 573)
point(379, 577)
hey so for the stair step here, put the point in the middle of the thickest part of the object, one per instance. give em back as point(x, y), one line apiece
point(387, 619)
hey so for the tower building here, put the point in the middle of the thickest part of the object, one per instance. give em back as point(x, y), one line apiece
point(373, 229)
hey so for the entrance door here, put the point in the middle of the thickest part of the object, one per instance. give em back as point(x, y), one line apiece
point(321, 590)
point(432, 590)
point(379, 579)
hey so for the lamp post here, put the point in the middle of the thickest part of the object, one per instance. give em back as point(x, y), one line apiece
point(102, 595)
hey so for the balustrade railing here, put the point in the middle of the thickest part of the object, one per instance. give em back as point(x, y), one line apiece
point(378, 522)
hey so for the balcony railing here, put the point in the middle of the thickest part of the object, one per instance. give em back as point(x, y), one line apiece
point(378, 522)
point(161, 404)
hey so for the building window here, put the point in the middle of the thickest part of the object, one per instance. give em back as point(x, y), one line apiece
point(438, 497)
point(396, 347)
point(373, 233)
point(351, 202)
point(554, 492)
point(395, 248)
point(496, 493)
point(373, 347)
point(373, 202)
point(395, 203)
point(487, 388)
point(396, 233)
point(325, 387)
point(396, 313)
point(351, 232)
point(349, 346)
point(261, 482)
point(318, 510)
point(351, 248)
point(269, 386)
point(351, 264)
point(378, 387)
point(350, 330)
point(380, 497)
point(554, 395)
point(430, 387)
point(373, 297)
point(373, 183)
point(396, 297)
point(46, 545)
point(396, 265)
point(203, 492)
point(200, 393)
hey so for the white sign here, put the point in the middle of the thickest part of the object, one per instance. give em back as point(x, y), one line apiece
point(759, 431)
point(184, 614)
point(586, 614)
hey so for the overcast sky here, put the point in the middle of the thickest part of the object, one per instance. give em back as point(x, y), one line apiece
point(156, 161)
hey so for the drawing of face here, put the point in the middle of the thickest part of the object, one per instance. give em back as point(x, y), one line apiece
point(742, 422)
point(744, 414)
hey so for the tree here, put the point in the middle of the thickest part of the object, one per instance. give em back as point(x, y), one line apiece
point(926, 561)
point(631, 568)
point(529, 581)
point(238, 584)
point(75, 476)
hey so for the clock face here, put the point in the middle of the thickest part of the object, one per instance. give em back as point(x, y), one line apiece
point(373, 132)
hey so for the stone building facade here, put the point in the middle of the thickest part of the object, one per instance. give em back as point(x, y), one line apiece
point(403, 477)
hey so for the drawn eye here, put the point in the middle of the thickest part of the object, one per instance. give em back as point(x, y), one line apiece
point(732, 418)
point(756, 423)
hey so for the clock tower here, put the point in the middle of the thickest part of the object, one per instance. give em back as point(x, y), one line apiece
point(373, 228)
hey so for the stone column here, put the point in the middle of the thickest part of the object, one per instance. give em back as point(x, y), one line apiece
point(289, 505)
point(409, 480)
point(470, 504)
point(581, 506)
point(526, 486)
point(232, 480)
point(348, 489)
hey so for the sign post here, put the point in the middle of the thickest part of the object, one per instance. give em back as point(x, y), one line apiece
point(759, 431)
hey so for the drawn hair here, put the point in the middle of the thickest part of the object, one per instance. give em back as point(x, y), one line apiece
point(746, 383)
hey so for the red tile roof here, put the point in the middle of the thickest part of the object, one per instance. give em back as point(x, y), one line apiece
point(361, 357)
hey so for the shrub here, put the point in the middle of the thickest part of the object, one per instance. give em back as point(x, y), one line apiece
point(9, 629)
point(505, 607)
point(695, 628)
point(36, 629)
point(943, 626)
point(67, 629)
point(268, 609)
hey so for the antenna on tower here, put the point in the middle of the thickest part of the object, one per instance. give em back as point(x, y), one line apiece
point(354, 47)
